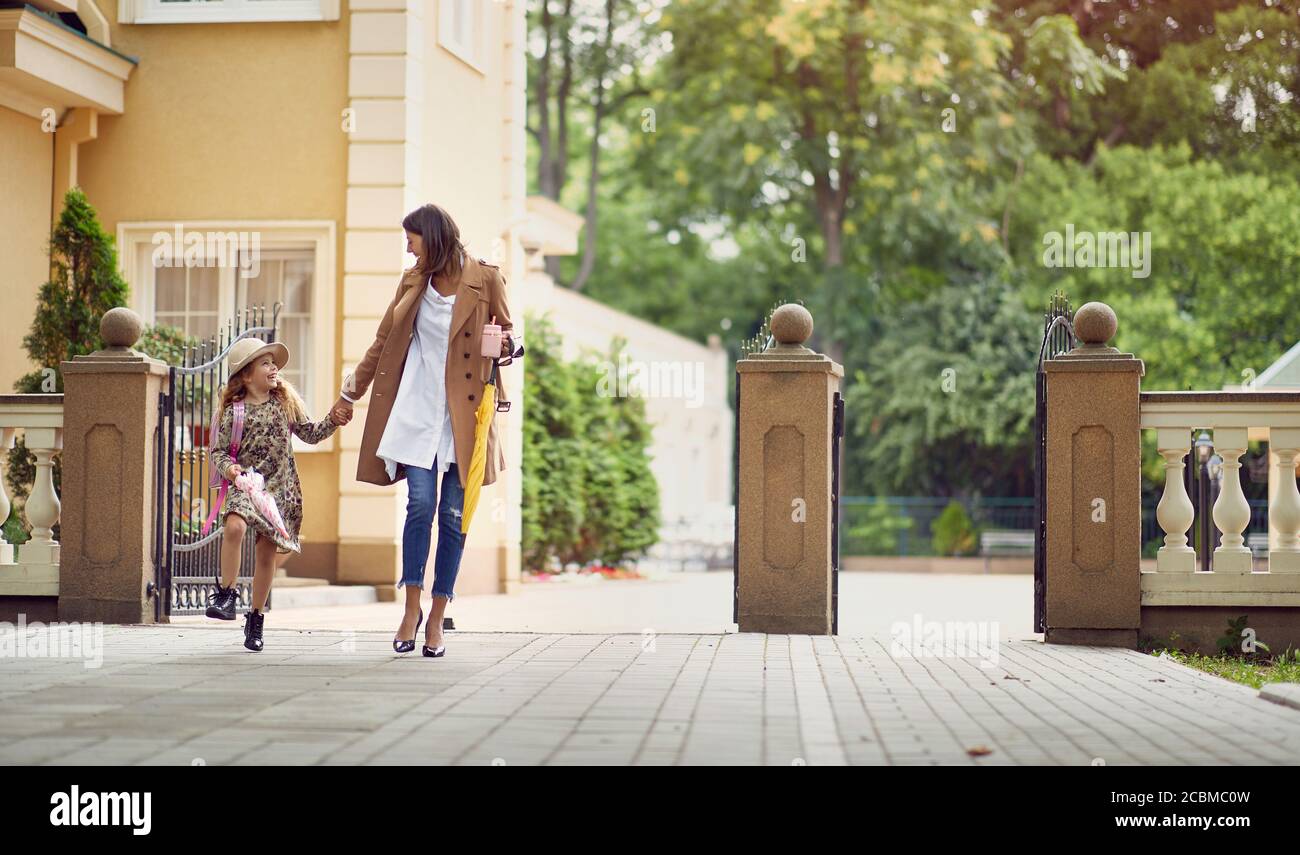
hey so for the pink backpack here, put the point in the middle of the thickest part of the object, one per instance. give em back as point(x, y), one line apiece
point(217, 478)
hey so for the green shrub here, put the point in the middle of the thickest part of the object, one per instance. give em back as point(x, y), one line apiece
point(953, 533)
point(879, 530)
point(588, 492)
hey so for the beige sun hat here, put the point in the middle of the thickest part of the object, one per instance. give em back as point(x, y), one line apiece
point(246, 350)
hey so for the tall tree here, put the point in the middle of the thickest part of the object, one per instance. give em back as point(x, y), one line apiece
point(586, 57)
point(83, 285)
point(883, 123)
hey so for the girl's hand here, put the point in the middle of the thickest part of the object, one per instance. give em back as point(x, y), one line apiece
point(341, 412)
point(233, 472)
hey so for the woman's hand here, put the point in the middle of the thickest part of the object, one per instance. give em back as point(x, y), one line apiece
point(507, 345)
point(233, 471)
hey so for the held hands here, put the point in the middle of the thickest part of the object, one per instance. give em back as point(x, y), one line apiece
point(234, 471)
point(341, 412)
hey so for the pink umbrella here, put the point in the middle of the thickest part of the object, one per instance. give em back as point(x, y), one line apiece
point(252, 483)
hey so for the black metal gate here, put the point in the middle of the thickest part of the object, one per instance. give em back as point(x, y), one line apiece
point(1058, 338)
point(837, 437)
point(185, 562)
point(735, 510)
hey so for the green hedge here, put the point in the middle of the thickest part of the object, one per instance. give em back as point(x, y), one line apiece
point(588, 492)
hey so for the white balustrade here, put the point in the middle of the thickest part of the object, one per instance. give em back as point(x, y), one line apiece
point(1284, 508)
point(1231, 510)
point(1234, 419)
point(39, 420)
point(1175, 512)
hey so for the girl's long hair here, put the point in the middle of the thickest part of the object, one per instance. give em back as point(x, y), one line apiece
point(442, 246)
point(290, 401)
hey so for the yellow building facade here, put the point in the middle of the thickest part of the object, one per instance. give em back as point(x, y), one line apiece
point(291, 136)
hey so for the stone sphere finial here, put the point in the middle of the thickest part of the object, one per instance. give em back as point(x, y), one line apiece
point(1095, 324)
point(792, 324)
point(120, 328)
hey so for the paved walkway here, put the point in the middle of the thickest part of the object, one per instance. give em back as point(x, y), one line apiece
point(185, 695)
point(870, 604)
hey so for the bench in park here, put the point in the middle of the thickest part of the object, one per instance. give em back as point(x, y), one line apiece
point(1005, 543)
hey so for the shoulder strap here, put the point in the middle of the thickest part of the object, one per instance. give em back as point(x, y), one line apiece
point(237, 430)
point(236, 434)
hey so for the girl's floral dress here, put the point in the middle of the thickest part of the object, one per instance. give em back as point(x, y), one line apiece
point(266, 447)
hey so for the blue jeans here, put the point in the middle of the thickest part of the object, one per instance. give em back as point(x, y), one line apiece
point(422, 500)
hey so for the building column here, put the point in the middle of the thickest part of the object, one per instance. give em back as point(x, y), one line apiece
point(385, 97)
point(1094, 501)
point(784, 514)
point(110, 420)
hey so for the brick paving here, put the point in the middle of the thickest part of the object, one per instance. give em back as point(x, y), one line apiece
point(186, 695)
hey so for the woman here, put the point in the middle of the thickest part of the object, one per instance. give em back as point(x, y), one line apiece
point(428, 370)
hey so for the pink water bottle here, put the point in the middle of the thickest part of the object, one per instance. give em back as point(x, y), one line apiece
point(492, 339)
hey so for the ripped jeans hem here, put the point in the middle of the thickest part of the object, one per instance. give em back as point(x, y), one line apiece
point(402, 583)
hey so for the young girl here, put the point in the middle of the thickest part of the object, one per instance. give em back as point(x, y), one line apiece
point(271, 410)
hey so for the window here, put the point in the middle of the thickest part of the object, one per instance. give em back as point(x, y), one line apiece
point(460, 28)
point(187, 298)
point(285, 277)
point(224, 11)
point(219, 268)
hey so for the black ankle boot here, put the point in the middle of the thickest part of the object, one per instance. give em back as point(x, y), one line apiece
point(253, 621)
point(222, 602)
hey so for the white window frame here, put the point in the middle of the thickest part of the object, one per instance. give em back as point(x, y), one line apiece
point(225, 11)
point(469, 52)
point(135, 239)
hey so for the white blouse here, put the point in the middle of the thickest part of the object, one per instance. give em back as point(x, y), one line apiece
point(419, 426)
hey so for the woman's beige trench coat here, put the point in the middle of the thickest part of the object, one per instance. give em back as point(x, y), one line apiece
point(482, 294)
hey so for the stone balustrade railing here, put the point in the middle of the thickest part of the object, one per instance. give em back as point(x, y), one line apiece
point(1234, 418)
point(39, 420)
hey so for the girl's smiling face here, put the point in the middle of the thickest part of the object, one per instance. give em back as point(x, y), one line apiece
point(263, 374)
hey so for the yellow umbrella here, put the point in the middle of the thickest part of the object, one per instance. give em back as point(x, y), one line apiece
point(478, 460)
point(482, 424)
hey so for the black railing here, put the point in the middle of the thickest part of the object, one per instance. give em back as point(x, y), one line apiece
point(1058, 338)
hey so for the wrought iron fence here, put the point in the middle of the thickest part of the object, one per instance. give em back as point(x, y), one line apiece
point(186, 561)
point(904, 525)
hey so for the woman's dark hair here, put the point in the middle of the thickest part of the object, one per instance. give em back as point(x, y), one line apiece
point(442, 246)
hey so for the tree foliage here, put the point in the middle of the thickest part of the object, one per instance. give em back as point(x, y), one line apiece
point(886, 162)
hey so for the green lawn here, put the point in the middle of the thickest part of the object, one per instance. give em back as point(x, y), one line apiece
point(1251, 672)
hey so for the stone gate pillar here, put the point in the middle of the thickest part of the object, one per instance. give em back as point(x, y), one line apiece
point(110, 412)
point(1094, 472)
point(784, 495)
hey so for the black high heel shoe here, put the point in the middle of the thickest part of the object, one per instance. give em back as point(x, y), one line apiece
point(408, 646)
point(440, 650)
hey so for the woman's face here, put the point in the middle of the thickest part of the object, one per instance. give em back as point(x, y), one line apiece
point(263, 375)
point(415, 244)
